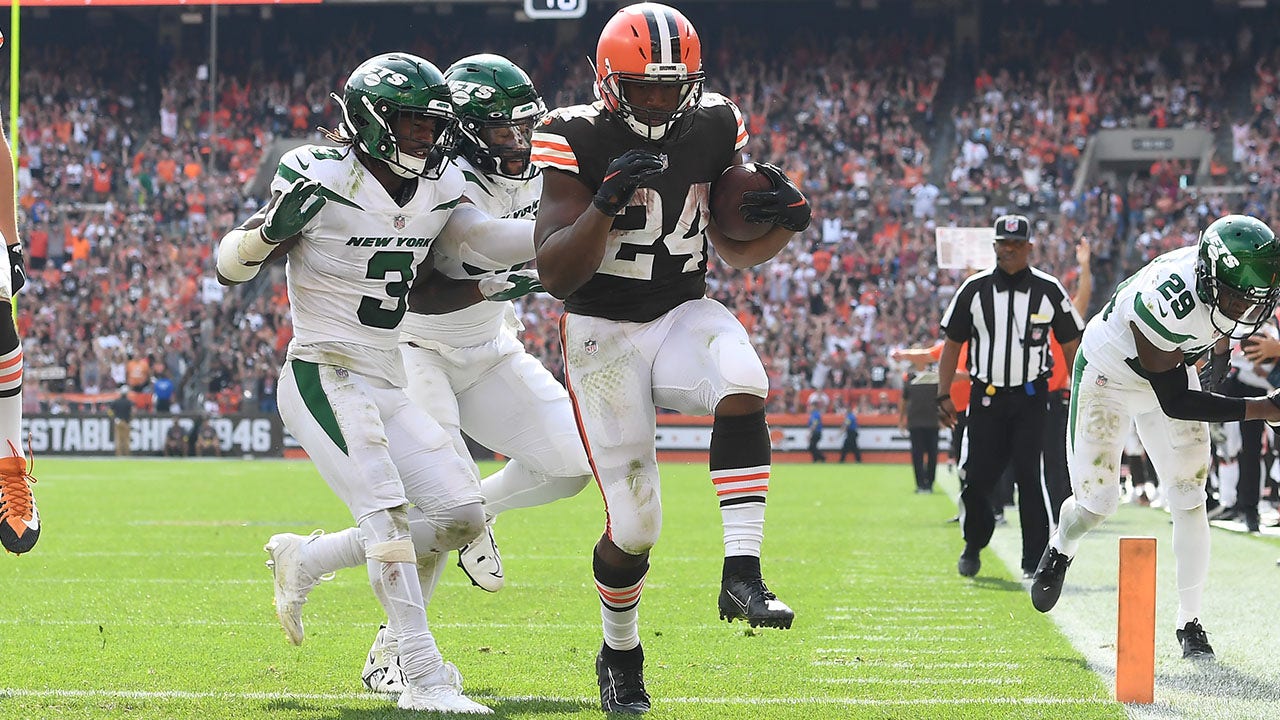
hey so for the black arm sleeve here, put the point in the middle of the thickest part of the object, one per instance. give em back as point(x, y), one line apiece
point(1179, 402)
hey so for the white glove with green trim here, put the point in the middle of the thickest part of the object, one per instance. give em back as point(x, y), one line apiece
point(293, 212)
point(510, 285)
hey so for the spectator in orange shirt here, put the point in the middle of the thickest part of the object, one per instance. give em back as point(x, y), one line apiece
point(138, 374)
point(166, 168)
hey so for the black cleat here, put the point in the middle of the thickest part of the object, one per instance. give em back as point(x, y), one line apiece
point(621, 676)
point(1046, 586)
point(968, 565)
point(748, 599)
point(1195, 641)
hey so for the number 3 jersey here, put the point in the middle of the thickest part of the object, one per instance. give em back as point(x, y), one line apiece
point(351, 271)
point(1161, 300)
point(656, 253)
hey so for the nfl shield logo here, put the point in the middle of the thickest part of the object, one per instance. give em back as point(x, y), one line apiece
point(1011, 225)
point(399, 221)
point(591, 347)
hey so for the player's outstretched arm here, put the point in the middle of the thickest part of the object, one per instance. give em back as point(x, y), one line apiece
point(469, 227)
point(1167, 373)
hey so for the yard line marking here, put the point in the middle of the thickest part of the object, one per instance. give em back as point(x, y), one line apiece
point(926, 626)
point(998, 652)
point(916, 681)
point(933, 605)
point(583, 700)
point(969, 665)
point(141, 581)
point(319, 622)
point(888, 638)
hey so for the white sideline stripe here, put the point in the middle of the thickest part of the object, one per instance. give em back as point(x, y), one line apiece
point(921, 626)
point(933, 606)
point(189, 695)
point(111, 622)
point(916, 681)
point(889, 638)
point(972, 665)
point(993, 652)
point(142, 581)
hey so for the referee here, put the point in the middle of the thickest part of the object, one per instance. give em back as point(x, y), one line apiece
point(1006, 314)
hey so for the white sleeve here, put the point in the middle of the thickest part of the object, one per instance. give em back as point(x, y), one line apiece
point(476, 238)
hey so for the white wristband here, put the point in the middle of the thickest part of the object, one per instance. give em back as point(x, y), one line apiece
point(241, 252)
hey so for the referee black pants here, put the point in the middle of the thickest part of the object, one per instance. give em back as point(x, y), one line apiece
point(1004, 428)
point(1056, 479)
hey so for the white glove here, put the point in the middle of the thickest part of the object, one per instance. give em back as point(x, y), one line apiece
point(510, 285)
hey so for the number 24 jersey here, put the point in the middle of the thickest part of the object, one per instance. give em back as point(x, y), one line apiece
point(656, 253)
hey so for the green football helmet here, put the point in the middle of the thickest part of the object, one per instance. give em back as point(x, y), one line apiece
point(400, 91)
point(497, 108)
point(1237, 273)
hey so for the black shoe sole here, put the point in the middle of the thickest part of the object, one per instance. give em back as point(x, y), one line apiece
point(782, 623)
point(625, 709)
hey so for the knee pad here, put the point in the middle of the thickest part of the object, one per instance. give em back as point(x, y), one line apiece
point(635, 535)
point(445, 530)
point(741, 369)
point(461, 525)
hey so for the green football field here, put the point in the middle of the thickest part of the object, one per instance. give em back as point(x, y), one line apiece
point(147, 597)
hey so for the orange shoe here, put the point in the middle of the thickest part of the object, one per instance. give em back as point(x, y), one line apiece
point(19, 520)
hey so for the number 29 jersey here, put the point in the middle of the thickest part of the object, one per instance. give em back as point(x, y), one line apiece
point(1162, 302)
point(656, 253)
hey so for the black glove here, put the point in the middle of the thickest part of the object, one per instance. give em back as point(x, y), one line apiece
point(17, 268)
point(784, 206)
point(625, 174)
point(1214, 372)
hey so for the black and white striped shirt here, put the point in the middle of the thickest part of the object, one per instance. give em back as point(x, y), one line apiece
point(1006, 320)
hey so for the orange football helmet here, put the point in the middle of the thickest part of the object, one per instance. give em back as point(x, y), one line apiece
point(653, 50)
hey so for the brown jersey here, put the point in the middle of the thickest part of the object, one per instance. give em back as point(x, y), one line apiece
point(656, 253)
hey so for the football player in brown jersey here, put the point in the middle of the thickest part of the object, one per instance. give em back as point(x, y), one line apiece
point(622, 234)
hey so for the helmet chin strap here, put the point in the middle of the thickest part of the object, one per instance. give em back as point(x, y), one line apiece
point(649, 132)
point(407, 166)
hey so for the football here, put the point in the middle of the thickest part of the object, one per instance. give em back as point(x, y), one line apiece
point(726, 197)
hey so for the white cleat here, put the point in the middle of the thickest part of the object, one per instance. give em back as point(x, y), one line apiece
point(292, 584)
point(445, 695)
point(481, 561)
point(382, 673)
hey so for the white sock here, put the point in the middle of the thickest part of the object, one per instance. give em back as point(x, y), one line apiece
point(332, 552)
point(395, 583)
point(1191, 553)
point(742, 492)
point(430, 568)
point(1074, 522)
point(1228, 481)
point(10, 399)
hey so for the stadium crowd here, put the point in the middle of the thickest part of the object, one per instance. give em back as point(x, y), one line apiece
point(124, 196)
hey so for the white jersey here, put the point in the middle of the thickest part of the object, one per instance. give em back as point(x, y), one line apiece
point(1161, 301)
point(498, 197)
point(351, 272)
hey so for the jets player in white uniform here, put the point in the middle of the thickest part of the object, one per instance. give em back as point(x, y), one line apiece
point(1136, 363)
point(356, 225)
point(467, 368)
